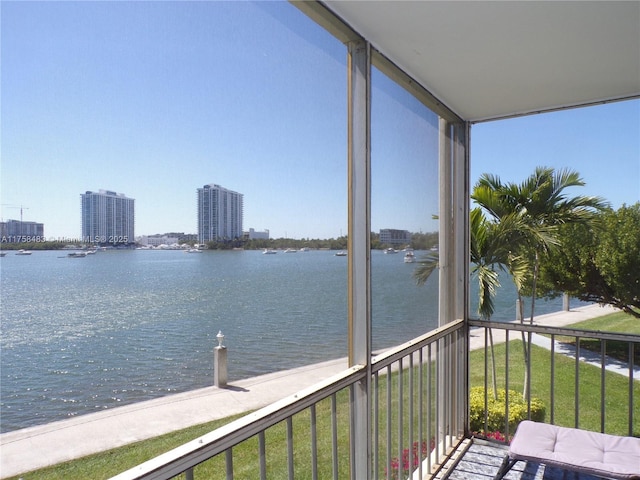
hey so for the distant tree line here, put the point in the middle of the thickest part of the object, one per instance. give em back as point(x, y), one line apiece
point(33, 245)
point(419, 241)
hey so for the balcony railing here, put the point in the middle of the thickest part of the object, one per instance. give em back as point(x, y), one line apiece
point(417, 416)
point(574, 373)
point(418, 406)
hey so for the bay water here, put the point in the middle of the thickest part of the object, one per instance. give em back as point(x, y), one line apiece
point(79, 335)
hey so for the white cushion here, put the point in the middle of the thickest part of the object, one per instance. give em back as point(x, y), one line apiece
point(573, 449)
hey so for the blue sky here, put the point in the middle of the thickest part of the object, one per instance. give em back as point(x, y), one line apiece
point(602, 143)
point(156, 99)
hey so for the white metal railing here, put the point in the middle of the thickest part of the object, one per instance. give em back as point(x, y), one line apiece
point(417, 409)
point(518, 337)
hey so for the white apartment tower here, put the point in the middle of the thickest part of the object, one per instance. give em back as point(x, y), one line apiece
point(107, 218)
point(220, 213)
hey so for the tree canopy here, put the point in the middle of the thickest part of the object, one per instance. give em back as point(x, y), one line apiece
point(599, 261)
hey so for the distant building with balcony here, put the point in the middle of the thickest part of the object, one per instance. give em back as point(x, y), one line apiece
point(107, 218)
point(390, 236)
point(157, 240)
point(15, 231)
point(254, 235)
point(220, 214)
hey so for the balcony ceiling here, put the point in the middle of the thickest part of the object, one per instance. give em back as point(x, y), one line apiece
point(494, 59)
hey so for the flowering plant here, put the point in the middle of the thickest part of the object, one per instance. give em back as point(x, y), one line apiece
point(411, 459)
point(498, 436)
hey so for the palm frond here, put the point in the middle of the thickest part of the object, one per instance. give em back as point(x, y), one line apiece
point(426, 266)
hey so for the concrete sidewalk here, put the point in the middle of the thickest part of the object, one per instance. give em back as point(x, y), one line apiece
point(40, 446)
point(555, 319)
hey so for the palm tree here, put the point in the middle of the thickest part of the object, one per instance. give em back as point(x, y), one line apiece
point(540, 205)
point(490, 252)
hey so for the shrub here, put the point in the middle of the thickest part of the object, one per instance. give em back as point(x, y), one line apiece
point(496, 410)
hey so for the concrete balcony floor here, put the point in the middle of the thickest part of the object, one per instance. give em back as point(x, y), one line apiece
point(478, 459)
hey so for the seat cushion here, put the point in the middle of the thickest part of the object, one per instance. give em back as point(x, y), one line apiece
point(573, 449)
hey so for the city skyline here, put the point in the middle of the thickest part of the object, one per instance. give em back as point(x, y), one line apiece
point(152, 98)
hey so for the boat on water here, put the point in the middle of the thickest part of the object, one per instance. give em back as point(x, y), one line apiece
point(409, 257)
point(269, 251)
point(390, 250)
point(22, 251)
point(304, 249)
point(193, 250)
point(341, 253)
point(77, 254)
point(2, 254)
point(290, 250)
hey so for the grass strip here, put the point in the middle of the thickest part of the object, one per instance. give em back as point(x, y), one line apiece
point(618, 322)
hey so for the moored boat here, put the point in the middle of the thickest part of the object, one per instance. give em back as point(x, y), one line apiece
point(269, 251)
point(409, 257)
point(22, 251)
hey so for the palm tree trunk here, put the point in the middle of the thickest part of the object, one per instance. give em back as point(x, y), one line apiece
point(536, 268)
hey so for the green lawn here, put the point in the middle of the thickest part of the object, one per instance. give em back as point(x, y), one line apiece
point(616, 388)
point(245, 456)
point(619, 322)
point(616, 322)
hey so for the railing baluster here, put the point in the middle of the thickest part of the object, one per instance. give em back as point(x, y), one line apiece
point(506, 382)
point(603, 350)
point(420, 408)
point(486, 381)
point(400, 410)
point(290, 447)
point(461, 382)
point(229, 463)
point(352, 451)
point(263, 456)
point(577, 384)
point(528, 367)
point(411, 438)
point(188, 475)
point(389, 444)
point(314, 443)
point(334, 434)
point(429, 405)
point(438, 406)
point(446, 394)
point(631, 370)
point(553, 379)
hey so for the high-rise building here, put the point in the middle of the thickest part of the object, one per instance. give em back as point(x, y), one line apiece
point(107, 218)
point(220, 213)
point(19, 231)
